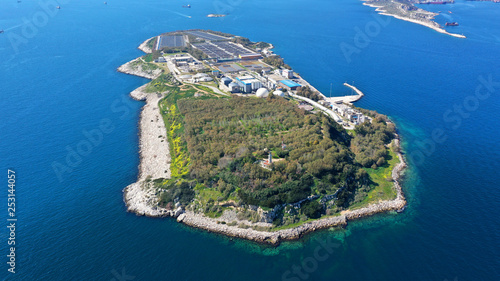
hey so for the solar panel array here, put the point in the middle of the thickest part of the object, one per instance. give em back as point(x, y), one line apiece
point(221, 50)
point(171, 41)
point(213, 51)
point(232, 48)
point(207, 36)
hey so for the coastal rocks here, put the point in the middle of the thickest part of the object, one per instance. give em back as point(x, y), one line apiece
point(140, 197)
point(143, 201)
point(144, 47)
point(154, 147)
point(178, 212)
point(135, 67)
point(268, 216)
point(139, 94)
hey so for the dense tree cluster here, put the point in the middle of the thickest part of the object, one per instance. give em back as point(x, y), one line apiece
point(307, 92)
point(369, 143)
point(261, 45)
point(276, 61)
point(227, 138)
point(242, 40)
point(173, 191)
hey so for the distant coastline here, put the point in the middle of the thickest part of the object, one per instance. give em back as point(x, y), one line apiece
point(141, 198)
point(382, 10)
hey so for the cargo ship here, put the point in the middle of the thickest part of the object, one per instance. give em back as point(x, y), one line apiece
point(452, 23)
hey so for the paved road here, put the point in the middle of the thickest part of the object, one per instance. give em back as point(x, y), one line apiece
point(325, 110)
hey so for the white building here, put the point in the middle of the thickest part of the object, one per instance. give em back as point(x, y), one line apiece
point(288, 73)
point(178, 59)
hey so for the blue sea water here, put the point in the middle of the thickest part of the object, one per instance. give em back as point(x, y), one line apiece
point(58, 82)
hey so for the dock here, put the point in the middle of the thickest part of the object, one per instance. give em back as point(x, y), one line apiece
point(347, 99)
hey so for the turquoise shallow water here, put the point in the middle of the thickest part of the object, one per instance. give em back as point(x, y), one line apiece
point(59, 80)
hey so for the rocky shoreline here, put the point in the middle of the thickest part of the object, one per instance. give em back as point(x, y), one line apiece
point(141, 198)
point(144, 46)
point(274, 238)
point(134, 68)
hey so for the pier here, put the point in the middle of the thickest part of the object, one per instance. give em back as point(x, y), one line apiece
point(347, 99)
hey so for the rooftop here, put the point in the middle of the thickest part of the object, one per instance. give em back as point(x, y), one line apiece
point(289, 83)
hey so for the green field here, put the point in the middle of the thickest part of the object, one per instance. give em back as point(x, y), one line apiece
point(383, 185)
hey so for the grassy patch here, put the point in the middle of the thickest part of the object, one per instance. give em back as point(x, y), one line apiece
point(161, 84)
point(383, 187)
point(151, 43)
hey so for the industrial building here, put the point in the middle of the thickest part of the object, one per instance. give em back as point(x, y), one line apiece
point(251, 56)
point(234, 87)
point(289, 84)
point(226, 80)
point(181, 58)
point(287, 73)
point(248, 83)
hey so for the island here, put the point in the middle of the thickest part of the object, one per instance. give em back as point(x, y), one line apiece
point(233, 141)
point(406, 10)
point(216, 15)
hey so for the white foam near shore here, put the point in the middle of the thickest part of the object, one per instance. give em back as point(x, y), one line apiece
point(427, 24)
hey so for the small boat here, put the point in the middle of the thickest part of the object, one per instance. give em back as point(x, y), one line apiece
point(58, 7)
point(452, 23)
point(105, 3)
point(186, 6)
point(1, 31)
point(450, 12)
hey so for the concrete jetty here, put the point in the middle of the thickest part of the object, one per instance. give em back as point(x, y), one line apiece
point(347, 99)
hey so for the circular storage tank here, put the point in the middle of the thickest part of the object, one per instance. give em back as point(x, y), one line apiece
point(200, 75)
point(262, 93)
point(279, 93)
point(206, 79)
point(187, 76)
